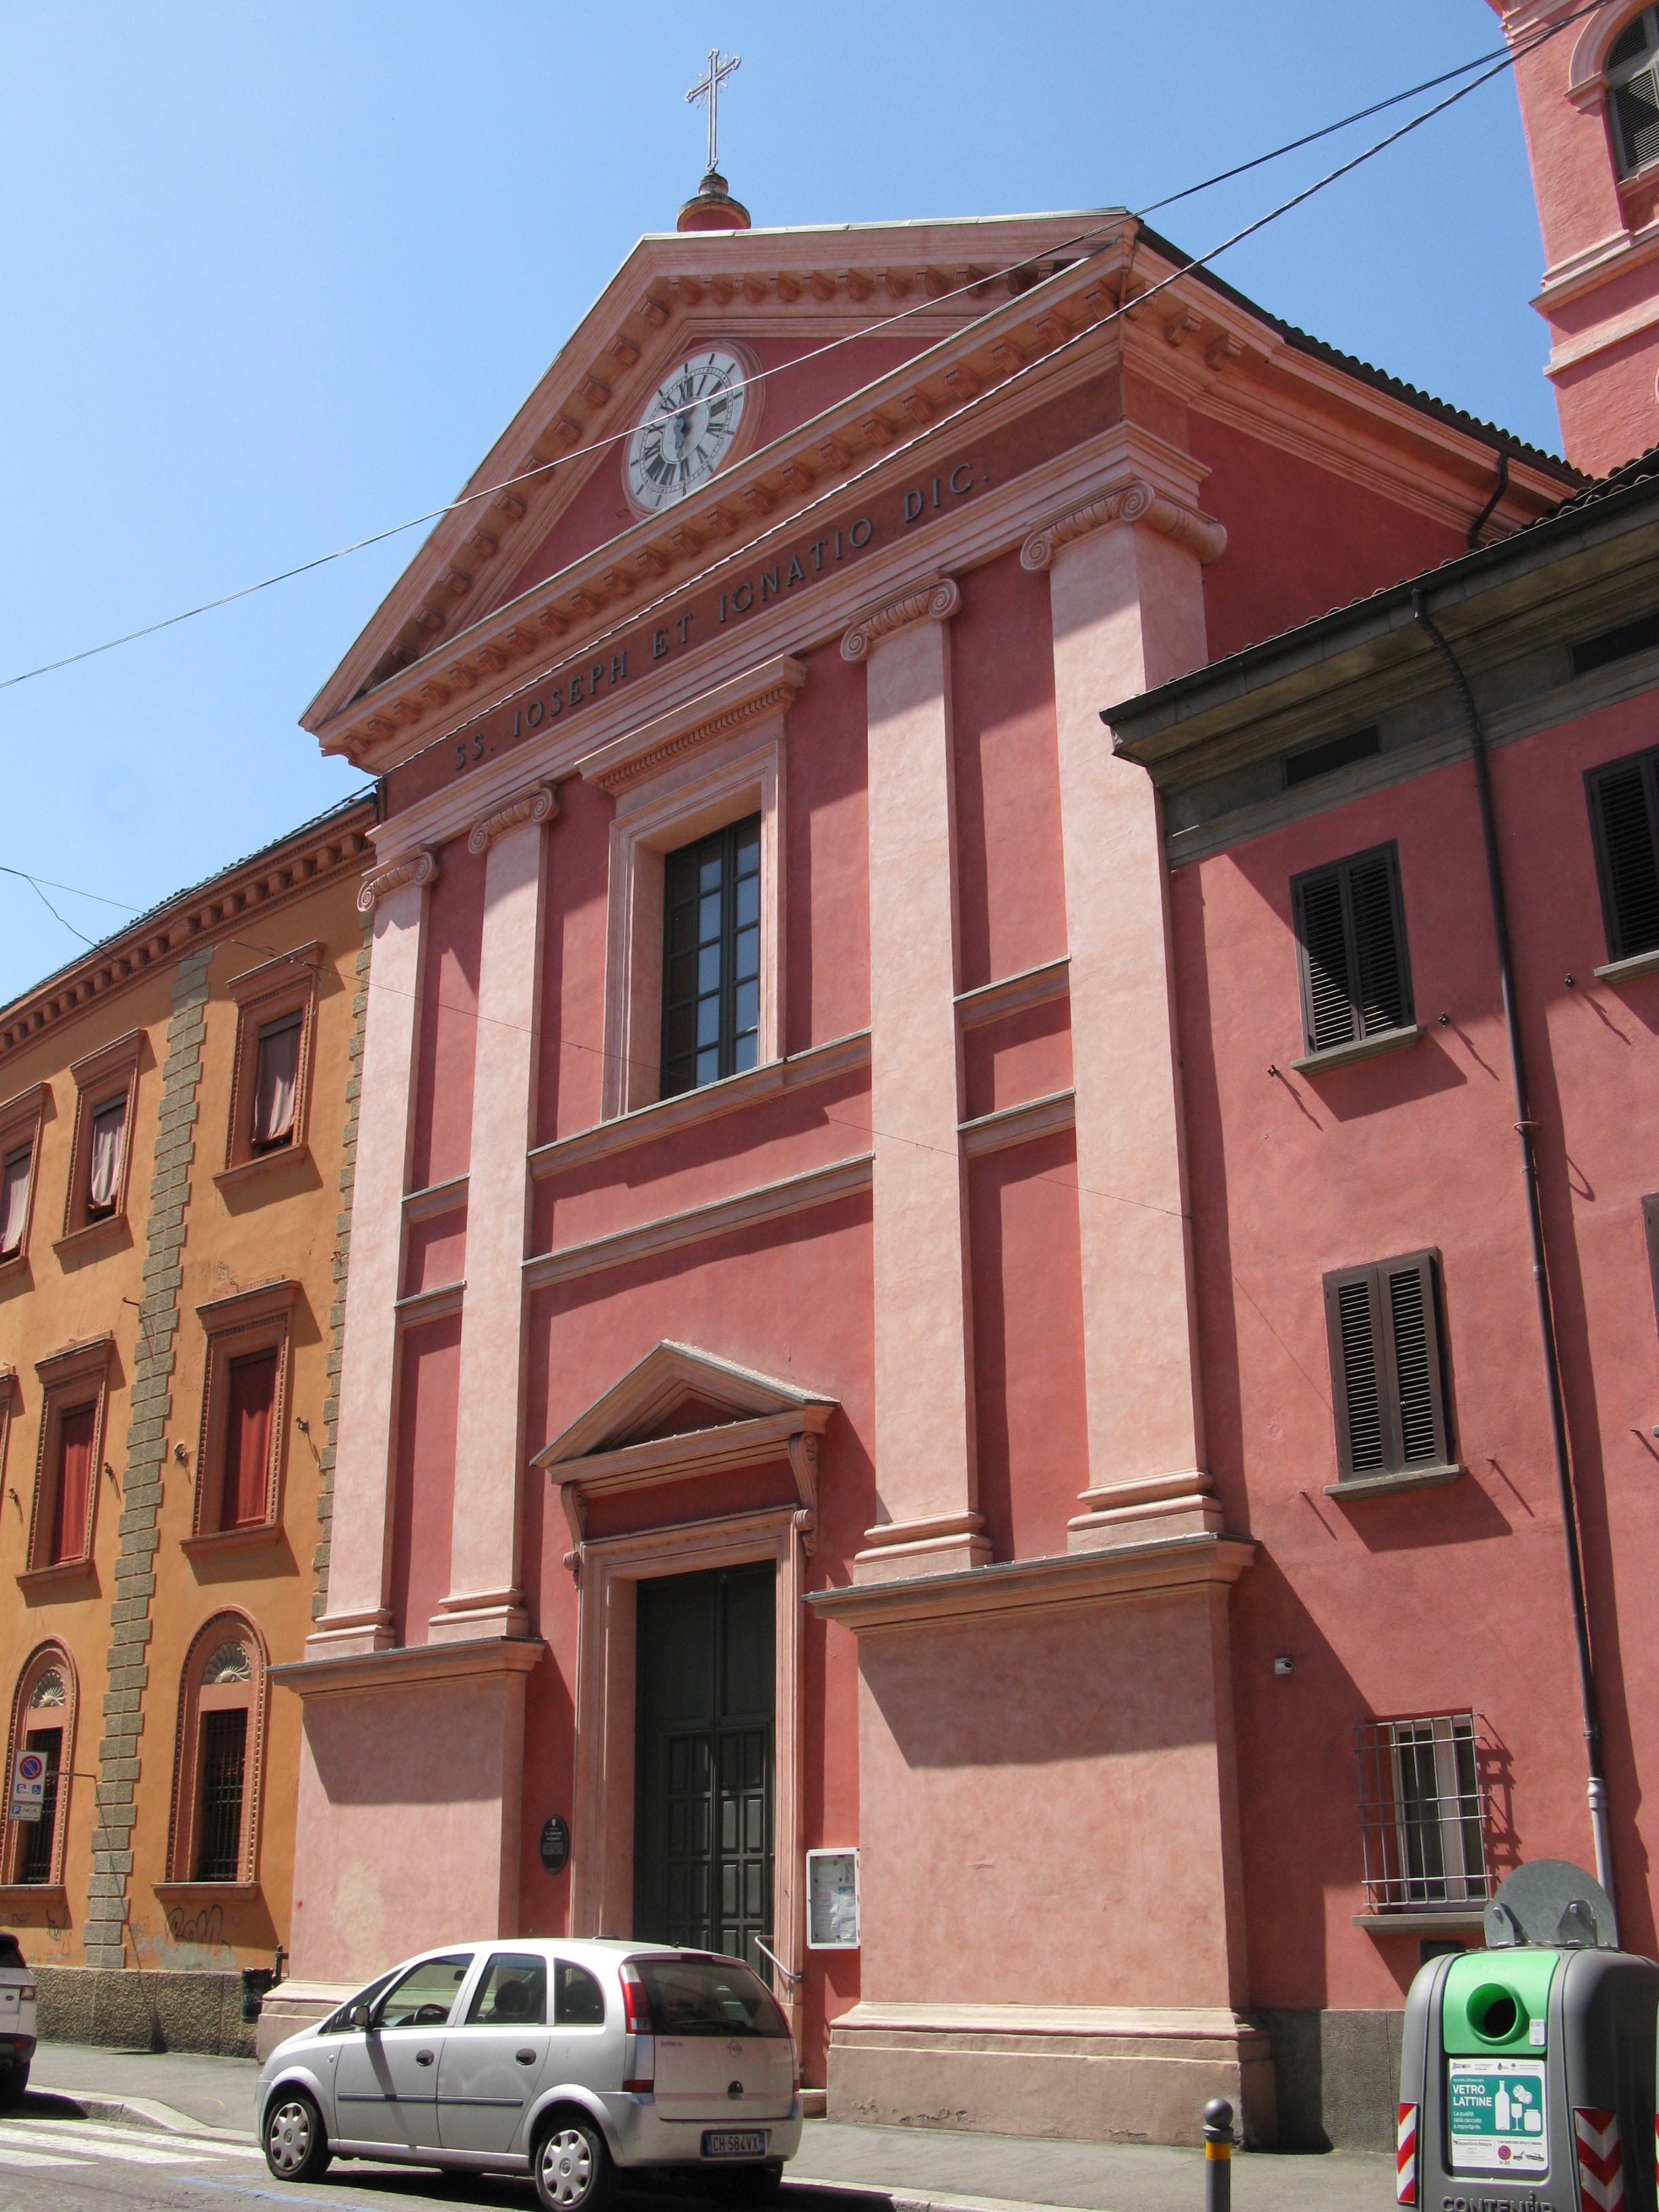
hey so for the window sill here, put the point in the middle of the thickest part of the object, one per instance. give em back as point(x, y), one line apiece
point(205, 1893)
point(92, 1236)
point(1380, 1486)
point(261, 1163)
point(228, 1543)
point(65, 1572)
point(1627, 971)
point(18, 1896)
point(1344, 1055)
point(1423, 1920)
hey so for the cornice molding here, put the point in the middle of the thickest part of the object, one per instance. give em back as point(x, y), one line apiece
point(216, 909)
point(935, 600)
point(770, 688)
point(419, 868)
point(537, 802)
point(1130, 502)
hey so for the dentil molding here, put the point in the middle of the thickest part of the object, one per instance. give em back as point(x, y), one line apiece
point(937, 600)
point(420, 867)
point(1131, 500)
point(535, 803)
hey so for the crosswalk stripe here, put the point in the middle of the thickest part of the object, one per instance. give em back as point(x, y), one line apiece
point(70, 2131)
point(125, 2154)
point(9, 2157)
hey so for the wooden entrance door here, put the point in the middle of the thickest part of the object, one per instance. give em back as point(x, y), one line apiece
point(703, 1816)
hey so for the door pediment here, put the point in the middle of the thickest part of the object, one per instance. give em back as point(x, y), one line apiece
point(678, 1413)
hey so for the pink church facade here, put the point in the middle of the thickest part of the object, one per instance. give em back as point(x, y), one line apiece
point(793, 1397)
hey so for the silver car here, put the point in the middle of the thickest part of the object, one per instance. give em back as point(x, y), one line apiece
point(572, 2061)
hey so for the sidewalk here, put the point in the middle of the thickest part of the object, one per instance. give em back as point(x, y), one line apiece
point(910, 2167)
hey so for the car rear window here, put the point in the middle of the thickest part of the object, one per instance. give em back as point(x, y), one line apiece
point(707, 1997)
point(10, 1954)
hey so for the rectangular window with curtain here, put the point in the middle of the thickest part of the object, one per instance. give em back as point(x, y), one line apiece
point(1387, 1368)
point(34, 1858)
point(223, 1772)
point(251, 1394)
point(1351, 935)
point(71, 1479)
point(276, 1081)
point(711, 958)
point(16, 1170)
point(104, 1157)
point(1624, 803)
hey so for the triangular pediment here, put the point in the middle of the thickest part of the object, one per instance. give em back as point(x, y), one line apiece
point(549, 496)
point(678, 1391)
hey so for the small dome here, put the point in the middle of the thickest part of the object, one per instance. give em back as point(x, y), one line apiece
point(714, 208)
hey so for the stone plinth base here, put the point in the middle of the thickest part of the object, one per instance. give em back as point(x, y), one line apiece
point(1101, 2074)
point(294, 2005)
point(131, 2010)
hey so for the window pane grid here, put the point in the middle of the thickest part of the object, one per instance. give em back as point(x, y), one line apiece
point(224, 1758)
point(1423, 1821)
point(711, 958)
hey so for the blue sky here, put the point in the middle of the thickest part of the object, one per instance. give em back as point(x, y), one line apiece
point(276, 275)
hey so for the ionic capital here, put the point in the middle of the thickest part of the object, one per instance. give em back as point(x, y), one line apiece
point(417, 867)
point(535, 803)
point(1131, 500)
point(936, 600)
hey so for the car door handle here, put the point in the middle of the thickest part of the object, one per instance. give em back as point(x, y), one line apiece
point(525, 2058)
point(424, 2057)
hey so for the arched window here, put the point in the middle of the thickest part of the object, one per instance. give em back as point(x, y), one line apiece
point(43, 1723)
point(215, 1795)
point(1632, 72)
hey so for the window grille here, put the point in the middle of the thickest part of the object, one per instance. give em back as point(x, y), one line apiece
point(1633, 92)
point(34, 1861)
point(1424, 1820)
point(1351, 930)
point(1624, 800)
point(224, 1758)
point(711, 958)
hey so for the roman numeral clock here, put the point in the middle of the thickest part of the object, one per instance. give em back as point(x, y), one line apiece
point(690, 427)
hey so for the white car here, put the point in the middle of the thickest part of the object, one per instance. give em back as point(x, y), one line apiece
point(571, 2062)
point(16, 2022)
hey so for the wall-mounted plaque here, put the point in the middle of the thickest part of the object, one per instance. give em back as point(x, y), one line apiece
point(555, 1846)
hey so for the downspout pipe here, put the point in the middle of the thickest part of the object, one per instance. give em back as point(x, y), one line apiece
point(1597, 1791)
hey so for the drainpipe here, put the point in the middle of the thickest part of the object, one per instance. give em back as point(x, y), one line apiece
point(1597, 1791)
point(1491, 507)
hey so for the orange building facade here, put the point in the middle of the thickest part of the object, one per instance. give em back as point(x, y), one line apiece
point(176, 1138)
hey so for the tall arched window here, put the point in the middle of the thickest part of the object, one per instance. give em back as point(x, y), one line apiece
point(1632, 72)
point(215, 1796)
point(43, 1723)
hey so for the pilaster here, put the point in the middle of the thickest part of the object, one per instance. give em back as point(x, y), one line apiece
point(925, 1461)
point(358, 1617)
point(1126, 598)
point(485, 1596)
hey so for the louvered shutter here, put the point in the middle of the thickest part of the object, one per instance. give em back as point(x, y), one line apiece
point(1350, 924)
point(1387, 1383)
point(1636, 111)
point(1626, 815)
point(1651, 1222)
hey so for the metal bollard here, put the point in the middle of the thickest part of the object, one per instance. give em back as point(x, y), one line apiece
point(1218, 2155)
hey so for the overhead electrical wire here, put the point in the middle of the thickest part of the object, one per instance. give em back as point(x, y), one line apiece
point(1504, 56)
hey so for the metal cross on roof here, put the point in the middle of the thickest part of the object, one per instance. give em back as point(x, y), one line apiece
point(709, 89)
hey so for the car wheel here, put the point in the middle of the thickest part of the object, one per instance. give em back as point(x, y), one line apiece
point(296, 2147)
point(573, 2168)
point(744, 2187)
point(13, 2083)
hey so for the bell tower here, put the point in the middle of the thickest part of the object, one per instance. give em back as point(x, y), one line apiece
point(1589, 105)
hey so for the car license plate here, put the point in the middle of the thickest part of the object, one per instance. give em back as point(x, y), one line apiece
point(729, 2142)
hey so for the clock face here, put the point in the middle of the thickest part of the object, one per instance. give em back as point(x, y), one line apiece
point(687, 428)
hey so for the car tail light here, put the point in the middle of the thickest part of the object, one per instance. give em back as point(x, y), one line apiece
point(636, 2019)
point(26, 1993)
point(636, 2004)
